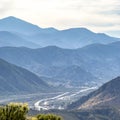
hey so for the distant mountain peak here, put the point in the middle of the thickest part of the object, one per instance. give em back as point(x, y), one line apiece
point(12, 19)
point(15, 24)
point(79, 29)
point(51, 48)
point(71, 38)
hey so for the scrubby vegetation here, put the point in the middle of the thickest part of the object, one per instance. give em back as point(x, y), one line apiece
point(48, 117)
point(18, 111)
point(14, 111)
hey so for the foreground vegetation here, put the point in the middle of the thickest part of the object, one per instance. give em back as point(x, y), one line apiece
point(18, 111)
point(98, 113)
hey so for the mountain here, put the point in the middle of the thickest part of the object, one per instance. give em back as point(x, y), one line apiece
point(75, 76)
point(17, 25)
point(102, 104)
point(69, 38)
point(106, 95)
point(99, 113)
point(12, 39)
point(102, 61)
point(58, 65)
point(15, 80)
point(71, 76)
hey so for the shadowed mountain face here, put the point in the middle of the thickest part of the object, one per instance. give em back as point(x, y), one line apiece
point(12, 39)
point(106, 95)
point(70, 38)
point(100, 61)
point(15, 79)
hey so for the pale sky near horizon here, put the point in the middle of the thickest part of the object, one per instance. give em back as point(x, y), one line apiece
point(96, 15)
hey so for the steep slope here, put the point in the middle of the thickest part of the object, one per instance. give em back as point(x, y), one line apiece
point(17, 25)
point(14, 79)
point(106, 95)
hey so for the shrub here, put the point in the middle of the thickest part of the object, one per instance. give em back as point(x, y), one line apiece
point(48, 117)
point(13, 111)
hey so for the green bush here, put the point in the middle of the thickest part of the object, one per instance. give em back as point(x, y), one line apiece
point(48, 117)
point(18, 111)
point(14, 111)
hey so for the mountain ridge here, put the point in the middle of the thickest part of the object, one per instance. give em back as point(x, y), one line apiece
point(11, 20)
point(107, 95)
point(100, 55)
point(14, 80)
point(68, 38)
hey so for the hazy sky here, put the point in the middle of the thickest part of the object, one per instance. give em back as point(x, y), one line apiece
point(96, 15)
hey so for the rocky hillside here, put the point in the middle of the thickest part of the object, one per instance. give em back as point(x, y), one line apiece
point(106, 95)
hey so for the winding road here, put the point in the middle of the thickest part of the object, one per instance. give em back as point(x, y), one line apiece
point(56, 101)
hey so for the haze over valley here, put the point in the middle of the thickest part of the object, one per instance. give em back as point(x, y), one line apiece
point(69, 70)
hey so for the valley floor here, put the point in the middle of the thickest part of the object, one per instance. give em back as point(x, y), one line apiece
point(46, 101)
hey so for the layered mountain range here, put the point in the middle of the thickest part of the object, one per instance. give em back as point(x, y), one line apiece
point(92, 63)
point(31, 58)
point(13, 29)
